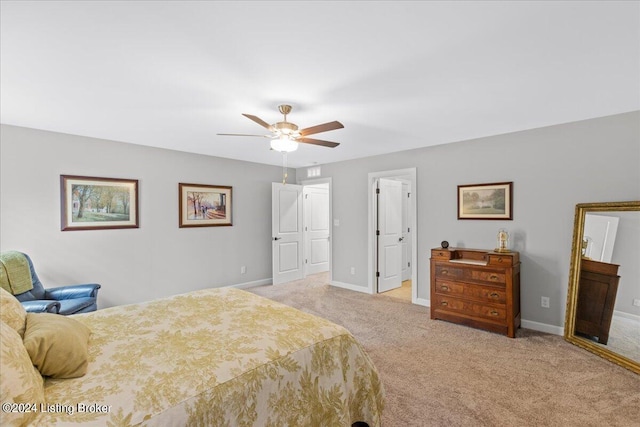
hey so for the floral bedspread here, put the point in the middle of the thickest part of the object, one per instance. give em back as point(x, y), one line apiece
point(216, 357)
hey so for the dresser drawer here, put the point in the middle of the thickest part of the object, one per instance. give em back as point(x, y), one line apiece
point(486, 276)
point(443, 254)
point(503, 259)
point(476, 292)
point(447, 271)
point(470, 308)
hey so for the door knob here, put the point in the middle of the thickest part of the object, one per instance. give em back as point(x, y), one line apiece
point(400, 239)
point(277, 238)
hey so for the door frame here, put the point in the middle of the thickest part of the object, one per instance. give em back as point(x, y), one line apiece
point(327, 180)
point(410, 175)
point(410, 191)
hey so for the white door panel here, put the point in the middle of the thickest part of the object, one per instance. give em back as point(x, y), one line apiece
point(316, 208)
point(319, 251)
point(390, 257)
point(288, 208)
point(390, 238)
point(288, 256)
point(286, 227)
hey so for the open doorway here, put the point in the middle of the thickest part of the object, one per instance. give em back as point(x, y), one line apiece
point(392, 231)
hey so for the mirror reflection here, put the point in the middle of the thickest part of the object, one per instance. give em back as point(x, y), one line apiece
point(603, 306)
point(610, 282)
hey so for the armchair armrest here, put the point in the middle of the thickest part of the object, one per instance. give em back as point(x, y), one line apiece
point(41, 306)
point(72, 291)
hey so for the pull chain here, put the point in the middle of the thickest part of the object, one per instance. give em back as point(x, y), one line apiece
point(284, 168)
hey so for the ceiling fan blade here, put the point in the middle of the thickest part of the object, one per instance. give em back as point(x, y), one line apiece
point(259, 121)
point(244, 134)
point(318, 142)
point(321, 128)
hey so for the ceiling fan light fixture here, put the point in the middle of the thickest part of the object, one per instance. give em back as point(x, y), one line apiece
point(285, 136)
point(284, 144)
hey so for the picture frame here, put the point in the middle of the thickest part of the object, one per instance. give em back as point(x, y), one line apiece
point(96, 203)
point(492, 201)
point(202, 205)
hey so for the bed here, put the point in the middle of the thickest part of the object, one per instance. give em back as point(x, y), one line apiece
point(215, 357)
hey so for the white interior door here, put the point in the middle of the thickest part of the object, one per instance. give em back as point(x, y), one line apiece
point(600, 232)
point(406, 232)
point(316, 228)
point(390, 234)
point(286, 226)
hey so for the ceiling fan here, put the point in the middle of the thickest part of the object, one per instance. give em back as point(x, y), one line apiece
point(286, 136)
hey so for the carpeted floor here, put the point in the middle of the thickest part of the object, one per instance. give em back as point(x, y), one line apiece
point(441, 374)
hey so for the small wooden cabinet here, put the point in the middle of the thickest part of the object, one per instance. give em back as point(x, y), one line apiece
point(476, 287)
point(597, 291)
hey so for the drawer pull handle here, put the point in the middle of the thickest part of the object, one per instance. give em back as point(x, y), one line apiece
point(444, 303)
point(493, 277)
point(494, 313)
point(444, 288)
point(494, 295)
point(445, 271)
point(499, 259)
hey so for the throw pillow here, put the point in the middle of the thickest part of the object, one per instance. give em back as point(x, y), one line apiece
point(58, 345)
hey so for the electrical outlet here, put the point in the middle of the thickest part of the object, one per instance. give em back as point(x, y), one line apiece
point(544, 302)
point(353, 270)
point(636, 302)
point(243, 270)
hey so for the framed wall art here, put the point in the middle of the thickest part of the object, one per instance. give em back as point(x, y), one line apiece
point(486, 201)
point(204, 205)
point(93, 203)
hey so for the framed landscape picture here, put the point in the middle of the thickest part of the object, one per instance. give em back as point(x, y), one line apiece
point(92, 203)
point(486, 201)
point(204, 205)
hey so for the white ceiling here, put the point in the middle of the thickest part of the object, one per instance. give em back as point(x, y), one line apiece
point(398, 75)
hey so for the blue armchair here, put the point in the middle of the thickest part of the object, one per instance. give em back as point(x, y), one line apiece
point(64, 300)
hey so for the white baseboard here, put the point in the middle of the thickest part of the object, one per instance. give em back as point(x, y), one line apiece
point(252, 284)
point(542, 327)
point(350, 287)
point(629, 316)
point(422, 301)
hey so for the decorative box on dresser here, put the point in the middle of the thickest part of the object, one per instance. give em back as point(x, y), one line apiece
point(476, 287)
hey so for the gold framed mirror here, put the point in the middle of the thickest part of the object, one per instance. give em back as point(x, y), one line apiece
point(604, 282)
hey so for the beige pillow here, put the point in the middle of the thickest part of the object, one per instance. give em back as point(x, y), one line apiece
point(12, 312)
point(58, 345)
point(20, 382)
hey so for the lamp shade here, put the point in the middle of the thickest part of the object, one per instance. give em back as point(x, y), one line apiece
point(284, 144)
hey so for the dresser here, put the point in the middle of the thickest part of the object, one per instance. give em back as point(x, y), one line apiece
point(476, 287)
point(596, 297)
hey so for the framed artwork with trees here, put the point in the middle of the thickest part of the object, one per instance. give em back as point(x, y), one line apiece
point(204, 205)
point(486, 201)
point(92, 203)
